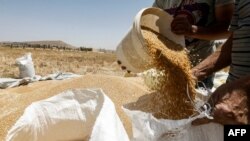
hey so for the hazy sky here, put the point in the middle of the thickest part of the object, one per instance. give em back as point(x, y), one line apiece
point(93, 23)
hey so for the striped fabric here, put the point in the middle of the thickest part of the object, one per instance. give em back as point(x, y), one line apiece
point(240, 25)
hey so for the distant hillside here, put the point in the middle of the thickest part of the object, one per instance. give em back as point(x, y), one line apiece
point(51, 43)
point(57, 43)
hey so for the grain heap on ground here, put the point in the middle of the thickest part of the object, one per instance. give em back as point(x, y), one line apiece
point(171, 100)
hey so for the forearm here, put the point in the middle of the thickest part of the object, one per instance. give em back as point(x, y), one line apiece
point(244, 83)
point(215, 32)
point(218, 60)
point(219, 29)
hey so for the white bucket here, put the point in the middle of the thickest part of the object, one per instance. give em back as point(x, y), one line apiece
point(131, 51)
point(26, 66)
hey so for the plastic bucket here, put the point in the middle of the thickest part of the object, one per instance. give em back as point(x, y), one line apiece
point(131, 52)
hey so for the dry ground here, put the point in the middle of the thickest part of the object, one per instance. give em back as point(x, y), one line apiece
point(51, 61)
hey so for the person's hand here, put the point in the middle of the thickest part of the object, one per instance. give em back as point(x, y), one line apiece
point(230, 104)
point(197, 74)
point(181, 25)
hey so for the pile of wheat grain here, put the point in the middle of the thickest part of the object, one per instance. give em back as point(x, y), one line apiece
point(119, 89)
point(171, 100)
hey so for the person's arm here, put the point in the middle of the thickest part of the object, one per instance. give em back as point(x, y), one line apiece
point(230, 103)
point(216, 61)
point(223, 16)
point(218, 30)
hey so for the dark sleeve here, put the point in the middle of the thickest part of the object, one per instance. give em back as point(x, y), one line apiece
point(158, 3)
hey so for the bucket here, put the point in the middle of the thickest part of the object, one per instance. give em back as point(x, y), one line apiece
point(132, 52)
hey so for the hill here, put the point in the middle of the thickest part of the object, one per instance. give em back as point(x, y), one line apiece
point(45, 43)
point(58, 43)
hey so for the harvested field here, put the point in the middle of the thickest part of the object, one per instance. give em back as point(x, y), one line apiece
point(51, 61)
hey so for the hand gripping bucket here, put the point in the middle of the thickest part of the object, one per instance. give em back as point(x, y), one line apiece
point(131, 52)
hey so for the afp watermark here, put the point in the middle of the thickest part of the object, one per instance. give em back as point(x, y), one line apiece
point(236, 132)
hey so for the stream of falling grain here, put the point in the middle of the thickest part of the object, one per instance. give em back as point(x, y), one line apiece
point(171, 100)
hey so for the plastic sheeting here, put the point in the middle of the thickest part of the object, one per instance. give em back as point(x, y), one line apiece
point(10, 82)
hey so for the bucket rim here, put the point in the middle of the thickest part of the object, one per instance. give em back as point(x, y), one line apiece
point(153, 11)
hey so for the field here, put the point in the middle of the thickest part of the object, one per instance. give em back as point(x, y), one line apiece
point(51, 61)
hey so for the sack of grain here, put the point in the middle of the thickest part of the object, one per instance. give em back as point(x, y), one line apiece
point(148, 128)
point(73, 115)
point(26, 66)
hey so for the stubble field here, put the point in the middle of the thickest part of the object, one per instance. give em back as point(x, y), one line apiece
point(51, 61)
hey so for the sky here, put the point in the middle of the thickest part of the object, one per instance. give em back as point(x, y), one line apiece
point(89, 23)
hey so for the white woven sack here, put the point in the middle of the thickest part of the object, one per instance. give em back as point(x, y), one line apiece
point(147, 128)
point(74, 115)
point(26, 66)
